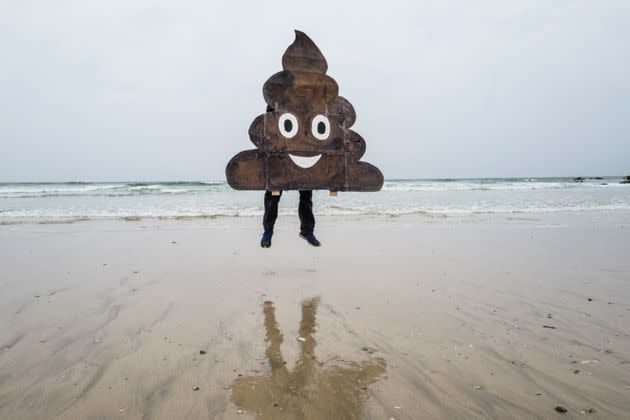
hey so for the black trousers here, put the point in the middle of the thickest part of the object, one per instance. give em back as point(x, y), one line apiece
point(305, 211)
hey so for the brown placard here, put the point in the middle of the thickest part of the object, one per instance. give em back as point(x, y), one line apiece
point(304, 141)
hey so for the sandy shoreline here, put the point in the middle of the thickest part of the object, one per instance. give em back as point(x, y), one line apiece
point(406, 317)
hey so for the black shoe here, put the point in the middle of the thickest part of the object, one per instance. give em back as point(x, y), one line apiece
point(310, 238)
point(265, 242)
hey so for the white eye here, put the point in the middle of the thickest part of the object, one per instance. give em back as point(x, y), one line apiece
point(320, 127)
point(288, 125)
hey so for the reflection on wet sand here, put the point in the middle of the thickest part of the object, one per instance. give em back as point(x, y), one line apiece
point(312, 390)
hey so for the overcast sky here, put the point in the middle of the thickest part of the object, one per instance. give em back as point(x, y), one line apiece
point(166, 90)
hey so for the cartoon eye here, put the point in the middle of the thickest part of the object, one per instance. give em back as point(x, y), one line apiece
point(320, 127)
point(288, 125)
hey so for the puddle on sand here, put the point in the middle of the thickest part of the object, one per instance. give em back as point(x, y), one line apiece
point(311, 390)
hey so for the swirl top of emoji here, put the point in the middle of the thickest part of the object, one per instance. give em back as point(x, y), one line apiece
point(304, 140)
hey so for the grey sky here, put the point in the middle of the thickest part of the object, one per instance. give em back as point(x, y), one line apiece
point(164, 90)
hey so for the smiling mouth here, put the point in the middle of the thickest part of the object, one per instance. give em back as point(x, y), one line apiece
point(304, 162)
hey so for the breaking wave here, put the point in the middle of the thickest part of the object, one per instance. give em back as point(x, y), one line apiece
point(74, 201)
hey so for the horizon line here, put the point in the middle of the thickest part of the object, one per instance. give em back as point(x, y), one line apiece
point(446, 179)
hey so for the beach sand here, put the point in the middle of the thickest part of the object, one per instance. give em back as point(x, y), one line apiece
point(409, 317)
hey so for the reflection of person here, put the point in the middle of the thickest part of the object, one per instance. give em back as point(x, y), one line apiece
point(312, 389)
point(305, 211)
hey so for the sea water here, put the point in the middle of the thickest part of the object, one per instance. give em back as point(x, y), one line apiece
point(24, 202)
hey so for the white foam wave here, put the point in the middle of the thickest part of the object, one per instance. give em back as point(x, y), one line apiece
point(196, 199)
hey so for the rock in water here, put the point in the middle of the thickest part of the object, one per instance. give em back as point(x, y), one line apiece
point(561, 409)
point(626, 180)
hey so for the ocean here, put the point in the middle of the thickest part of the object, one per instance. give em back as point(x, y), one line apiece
point(54, 202)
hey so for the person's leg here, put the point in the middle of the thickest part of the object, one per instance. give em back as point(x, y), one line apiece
point(271, 211)
point(305, 211)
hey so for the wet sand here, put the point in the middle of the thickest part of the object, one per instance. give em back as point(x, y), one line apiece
point(405, 318)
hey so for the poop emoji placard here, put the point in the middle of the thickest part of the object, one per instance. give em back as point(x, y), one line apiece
point(304, 141)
